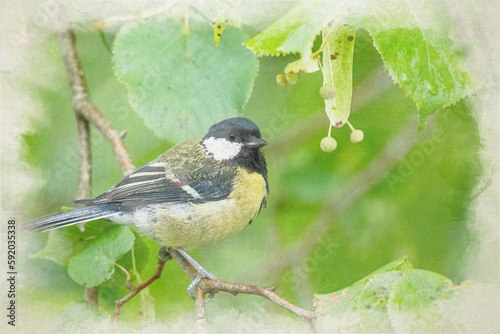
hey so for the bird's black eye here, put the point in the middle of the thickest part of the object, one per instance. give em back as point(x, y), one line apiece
point(232, 137)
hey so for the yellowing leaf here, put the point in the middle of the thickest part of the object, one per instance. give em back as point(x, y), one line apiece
point(219, 27)
point(337, 71)
point(303, 65)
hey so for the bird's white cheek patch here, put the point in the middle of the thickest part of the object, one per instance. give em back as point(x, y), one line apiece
point(222, 149)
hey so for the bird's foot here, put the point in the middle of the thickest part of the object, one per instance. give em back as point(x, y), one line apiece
point(201, 273)
point(192, 287)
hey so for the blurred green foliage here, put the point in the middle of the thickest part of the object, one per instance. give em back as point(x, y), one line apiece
point(418, 207)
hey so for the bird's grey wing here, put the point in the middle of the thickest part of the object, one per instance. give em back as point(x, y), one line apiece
point(172, 180)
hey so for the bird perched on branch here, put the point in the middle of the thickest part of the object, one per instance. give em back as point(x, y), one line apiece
point(197, 193)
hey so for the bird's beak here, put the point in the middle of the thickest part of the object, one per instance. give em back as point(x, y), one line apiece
point(255, 142)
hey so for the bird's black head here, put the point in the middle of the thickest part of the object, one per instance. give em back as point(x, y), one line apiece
point(236, 140)
point(237, 130)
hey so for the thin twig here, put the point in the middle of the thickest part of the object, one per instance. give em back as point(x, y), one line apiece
point(211, 285)
point(85, 159)
point(91, 295)
point(81, 100)
point(201, 319)
point(134, 290)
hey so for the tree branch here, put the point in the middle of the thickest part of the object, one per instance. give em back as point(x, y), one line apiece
point(211, 285)
point(134, 290)
point(214, 286)
point(81, 101)
point(86, 112)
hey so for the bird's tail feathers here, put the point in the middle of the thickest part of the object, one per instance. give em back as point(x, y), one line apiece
point(71, 217)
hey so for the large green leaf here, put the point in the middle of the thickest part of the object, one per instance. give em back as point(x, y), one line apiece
point(418, 45)
point(178, 82)
point(95, 264)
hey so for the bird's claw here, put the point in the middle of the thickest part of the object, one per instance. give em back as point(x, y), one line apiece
point(201, 273)
point(192, 287)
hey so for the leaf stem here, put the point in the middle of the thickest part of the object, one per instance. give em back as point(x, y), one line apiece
point(350, 125)
point(185, 27)
point(324, 41)
point(123, 269)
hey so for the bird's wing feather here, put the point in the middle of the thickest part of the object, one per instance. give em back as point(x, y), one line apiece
point(173, 177)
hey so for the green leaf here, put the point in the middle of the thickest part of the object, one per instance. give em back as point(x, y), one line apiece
point(418, 45)
point(412, 301)
point(95, 264)
point(141, 253)
point(372, 305)
point(338, 310)
point(419, 288)
point(81, 317)
point(395, 298)
point(293, 33)
point(65, 243)
point(337, 71)
point(178, 82)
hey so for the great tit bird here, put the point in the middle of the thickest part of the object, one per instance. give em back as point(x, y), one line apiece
point(197, 193)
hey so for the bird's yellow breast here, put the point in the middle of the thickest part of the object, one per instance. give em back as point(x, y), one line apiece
point(191, 225)
point(249, 190)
